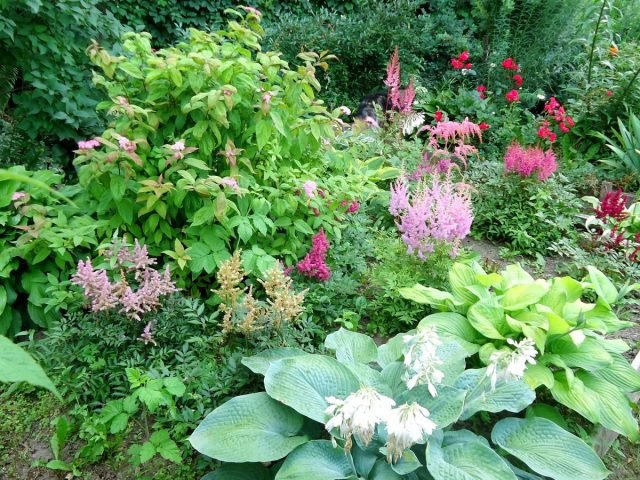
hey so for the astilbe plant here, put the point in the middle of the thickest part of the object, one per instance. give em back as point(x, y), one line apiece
point(525, 161)
point(243, 313)
point(138, 289)
point(401, 100)
point(314, 265)
point(438, 212)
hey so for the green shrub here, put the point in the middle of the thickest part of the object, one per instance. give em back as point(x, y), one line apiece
point(46, 41)
point(582, 368)
point(524, 213)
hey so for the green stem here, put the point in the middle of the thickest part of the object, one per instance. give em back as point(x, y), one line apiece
point(593, 48)
point(625, 92)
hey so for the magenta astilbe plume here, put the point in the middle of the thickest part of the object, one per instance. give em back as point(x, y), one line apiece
point(612, 206)
point(527, 161)
point(436, 213)
point(393, 79)
point(313, 265)
point(405, 98)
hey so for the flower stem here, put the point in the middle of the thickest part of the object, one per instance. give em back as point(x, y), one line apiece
point(593, 47)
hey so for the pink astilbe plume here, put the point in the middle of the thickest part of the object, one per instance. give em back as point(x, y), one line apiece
point(393, 79)
point(97, 288)
point(313, 265)
point(527, 161)
point(439, 212)
point(405, 98)
point(450, 131)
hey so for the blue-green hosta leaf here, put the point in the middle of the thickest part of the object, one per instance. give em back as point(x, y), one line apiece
point(548, 449)
point(615, 412)
point(602, 285)
point(241, 471)
point(575, 396)
point(261, 362)
point(445, 409)
point(488, 318)
point(392, 350)
point(430, 296)
point(406, 464)
point(304, 382)
point(352, 346)
point(383, 471)
point(465, 457)
point(249, 428)
point(621, 374)
point(370, 377)
point(521, 296)
point(589, 355)
point(510, 395)
point(316, 460)
point(449, 324)
point(16, 365)
point(364, 458)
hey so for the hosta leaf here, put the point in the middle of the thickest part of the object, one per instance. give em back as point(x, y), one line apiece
point(392, 350)
point(352, 346)
point(242, 471)
point(249, 428)
point(16, 365)
point(430, 296)
point(576, 397)
point(466, 459)
point(382, 471)
point(602, 285)
point(316, 460)
point(461, 276)
point(621, 374)
point(589, 355)
point(488, 318)
point(369, 377)
point(548, 449)
point(261, 362)
point(521, 296)
point(445, 409)
point(451, 324)
point(509, 395)
point(304, 383)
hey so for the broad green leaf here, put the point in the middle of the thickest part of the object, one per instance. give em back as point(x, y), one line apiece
point(174, 386)
point(304, 383)
point(510, 395)
point(445, 409)
point(576, 397)
point(536, 375)
point(316, 460)
point(3, 299)
point(118, 187)
point(405, 464)
point(249, 428)
point(352, 346)
point(488, 319)
point(430, 296)
point(382, 471)
point(589, 355)
point(621, 374)
point(461, 276)
point(240, 471)
point(602, 285)
point(392, 350)
point(261, 362)
point(466, 459)
point(369, 377)
point(451, 324)
point(543, 410)
point(548, 449)
point(521, 296)
point(16, 365)
point(514, 275)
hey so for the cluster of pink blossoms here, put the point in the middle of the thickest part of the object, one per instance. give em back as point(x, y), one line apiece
point(528, 160)
point(436, 213)
point(104, 295)
point(313, 265)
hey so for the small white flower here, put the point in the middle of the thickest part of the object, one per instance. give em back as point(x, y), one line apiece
point(577, 337)
point(511, 364)
point(421, 359)
point(344, 110)
point(541, 96)
point(358, 414)
point(412, 121)
point(492, 65)
point(406, 426)
point(464, 71)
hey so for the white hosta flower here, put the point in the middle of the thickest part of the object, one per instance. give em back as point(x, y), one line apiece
point(411, 121)
point(541, 96)
point(406, 426)
point(577, 337)
point(358, 414)
point(421, 359)
point(511, 364)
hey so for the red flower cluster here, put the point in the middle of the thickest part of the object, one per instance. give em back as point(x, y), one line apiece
point(556, 111)
point(482, 89)
point(518, 79)
point(545, 132)
point(313, 265)
point(484, 126)
point(460, 61)
point(510, 64)
point(512, 96)
point(612, 206)
point(438, 116)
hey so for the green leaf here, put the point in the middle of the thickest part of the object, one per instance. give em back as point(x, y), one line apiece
point(537, 375)
point(125, 210)
point(406, 464)
point(316, 460)
point(242, 471)
point(621, 374)
point(204, 215)
point(509, 395)
point(303, 383)
point(430, 296)
point(488, 319)
point(460, 277)
point(16, 365)
point(261, 362)
point(576, 396)
point(263, 132)
point(382, 471)
point(169, 451)
point(302, 227)
point(3, 299)
point(602, 285)
point(146, 452)
point(465, 457)
point(521, 296)
point(197, 163)
point(249, 428)
point(352, 346)
point(449, 324)
point(392, 350)
point(118, 187)
point(589, 355)
point(119, 423)
point(174, 386)
point(445, 409)
point(548, 449)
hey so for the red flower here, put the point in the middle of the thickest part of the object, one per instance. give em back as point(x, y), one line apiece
point(464, 56)
point(563, 128)
point(544, 132)
point(612, 205)
point(512, 96)
point(482, 89)
point(609, 93)
point(484, 126)
point(569, 120)
point(552, 137)
point(438, 116)
point(457, 64)
point(468, 65)
point(551, 106)
point(518, 79)
point(510, 64)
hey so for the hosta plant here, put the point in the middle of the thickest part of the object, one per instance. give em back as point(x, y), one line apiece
point(213, 145)
point(387, 412)
point(577, 363)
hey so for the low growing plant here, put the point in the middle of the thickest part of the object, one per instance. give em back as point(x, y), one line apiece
point(391, 411)
point(582, 368)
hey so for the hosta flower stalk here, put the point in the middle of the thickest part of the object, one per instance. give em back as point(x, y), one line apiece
point(407, 425)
